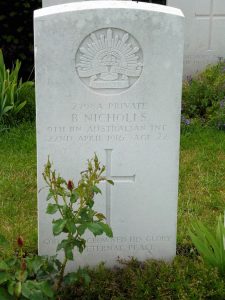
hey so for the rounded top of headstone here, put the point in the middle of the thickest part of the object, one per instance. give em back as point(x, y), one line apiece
point(88, 5)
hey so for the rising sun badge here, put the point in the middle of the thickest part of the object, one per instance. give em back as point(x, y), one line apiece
point(109, 60)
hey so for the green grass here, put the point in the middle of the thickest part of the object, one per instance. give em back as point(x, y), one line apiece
point(183, 279)
point(18, 190)
point(201, 197)
point(202, 178)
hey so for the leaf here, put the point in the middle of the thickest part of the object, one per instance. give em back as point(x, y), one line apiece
point(210, 245)
point(83, 214)
point(71, 226)
point(6, 109)
point(95, 228)
point(62, 245)
point(50, 195)
point(87, 278)
point(82, 273)
point(11, 286)
point(80, 244)
point(18, 289)
point(96, 190)
point(81, 229)
point(46, 288)
point(11, 262)
point(69, 252)
point(21, 275)
point(74, 197)
point(107, 229)
point(3, 266)
point(90, 203)
point(201, 244)
point(36, 263)
point(31, 290)
point(52, 209)
point(4, 295)
point(26, 290)
point(110, 181)
point(3, 277)
point(66, 210)
point(37, 295)
point(58, 226)
point(220, 235)
point(68, 247)
point(100, 216)
point(71, 278)
point(18, 108)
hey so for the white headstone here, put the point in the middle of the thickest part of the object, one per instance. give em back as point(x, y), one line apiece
point(204, 34)
point(46, 3)
point(108, 80)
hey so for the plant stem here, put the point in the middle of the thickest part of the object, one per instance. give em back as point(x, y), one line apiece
point(61, 274)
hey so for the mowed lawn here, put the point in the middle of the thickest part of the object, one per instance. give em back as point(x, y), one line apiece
point(201, 187)
point(18, 188)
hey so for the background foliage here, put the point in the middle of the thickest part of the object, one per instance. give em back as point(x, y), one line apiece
point(17, 98)
point(204, 97)
point(16, 38)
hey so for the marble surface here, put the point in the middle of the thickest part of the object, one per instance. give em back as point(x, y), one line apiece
point(204, 33)
point(108, 80)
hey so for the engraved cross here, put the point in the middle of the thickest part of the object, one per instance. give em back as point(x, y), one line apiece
point(116, 179)
point(211, 16)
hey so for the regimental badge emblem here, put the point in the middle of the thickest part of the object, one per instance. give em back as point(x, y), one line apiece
point(109, 60)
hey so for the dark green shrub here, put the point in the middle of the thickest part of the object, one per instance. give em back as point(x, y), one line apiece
point(203, 96)
point(217, 115)
point(13, 93)
point(28, 112)
point(16, 38)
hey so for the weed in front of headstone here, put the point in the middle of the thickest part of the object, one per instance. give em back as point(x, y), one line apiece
point(210, 245)
point(26, 276)
point(74, 204)
point(37, 277)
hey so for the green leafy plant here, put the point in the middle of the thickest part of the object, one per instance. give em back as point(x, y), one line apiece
point(74, 204)
point(28, 113)
point(26, 277)
point(210, 244)
point(217, 115)
point(10, 88)
point(203, 93)
point(40, 278)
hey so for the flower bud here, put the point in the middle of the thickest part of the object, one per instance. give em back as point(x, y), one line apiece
point(20, 242)
point(70, 185)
